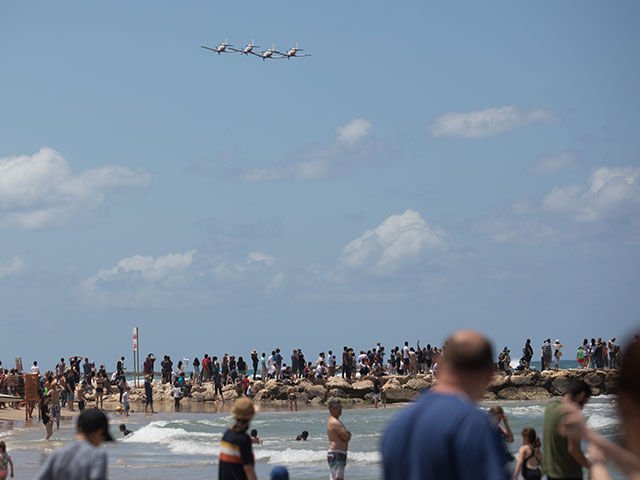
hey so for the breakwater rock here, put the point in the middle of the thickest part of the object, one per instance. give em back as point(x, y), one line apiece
point(522, 385)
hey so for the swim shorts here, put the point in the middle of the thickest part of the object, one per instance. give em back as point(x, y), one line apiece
point(337, 462)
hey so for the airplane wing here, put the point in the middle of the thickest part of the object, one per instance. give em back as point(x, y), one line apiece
point(257, 54)
point(234, 49)
point(280, 53)
point(209, 48)
point(303, 55)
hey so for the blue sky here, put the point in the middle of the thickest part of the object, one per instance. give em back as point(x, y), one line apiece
point(430, 167)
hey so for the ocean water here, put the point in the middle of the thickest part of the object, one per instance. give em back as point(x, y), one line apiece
point(186, 445)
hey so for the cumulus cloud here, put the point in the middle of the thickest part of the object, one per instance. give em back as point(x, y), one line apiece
point(485, 123)
point(354, 131)
point(552, 163)
point(39, 191)
point(610, 198)
point(349, 148)
point(13, 266)
point(142, 280)
point(399, 241)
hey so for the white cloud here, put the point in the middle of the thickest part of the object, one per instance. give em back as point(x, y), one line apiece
point(354, 131)
point(609, 199)
point(488, 122)
point(349, 147)
point(149, 269)
point(40, 190)
point(552, 163)
point(399, 241)
point(13, 266)
point(176, 278)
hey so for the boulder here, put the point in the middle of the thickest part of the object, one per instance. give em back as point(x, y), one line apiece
point(338, 382)
point(229, 395)
point(526, 379)
point(489, 396)
point(391, 383)
point(397, 395)
point(316, 391)
point(198, 397)
point(417, 384)
point(498, 382)
point(315, 401)
point(523, 393)
point(596, 379)
point(560, 385)
point(257, 386)
point(361, 388)
point(337, 393)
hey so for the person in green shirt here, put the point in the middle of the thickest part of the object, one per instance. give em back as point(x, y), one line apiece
point(562, 457)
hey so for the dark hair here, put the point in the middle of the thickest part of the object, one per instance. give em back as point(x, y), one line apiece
point(333, 403)
point(3, 446)
point(305, 434)
point(628, 379)
point(531, 437)
point(254, 433)
point(578, 386)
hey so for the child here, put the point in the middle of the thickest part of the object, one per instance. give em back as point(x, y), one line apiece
point(124, 430)
point(176, 392)
point(5, 462)
point(125, 401)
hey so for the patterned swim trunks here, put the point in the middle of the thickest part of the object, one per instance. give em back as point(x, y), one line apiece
point(337, 462)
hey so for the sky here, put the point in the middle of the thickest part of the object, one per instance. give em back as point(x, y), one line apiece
point(432, 166)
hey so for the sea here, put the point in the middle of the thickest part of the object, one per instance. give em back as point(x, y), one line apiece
point(186, 445)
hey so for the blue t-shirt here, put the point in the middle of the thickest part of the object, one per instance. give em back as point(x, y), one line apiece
point(444, 437)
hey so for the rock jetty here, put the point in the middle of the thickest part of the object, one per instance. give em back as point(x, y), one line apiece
point(522, 385)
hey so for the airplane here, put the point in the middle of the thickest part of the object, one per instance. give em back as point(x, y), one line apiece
point(266, 54)
point(246, 50)
point(222, 48)
point(293, 52)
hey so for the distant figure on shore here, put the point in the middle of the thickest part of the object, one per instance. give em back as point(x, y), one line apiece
point(303, 436)
point(527, 353)
point(443, 434)
point(377, 391)
point(236, 453)
point(82, 459)
point(291, 394)
point(5, 462)
point(529, 457)
point(46, 417)
point(339, 439)
point(562, 457)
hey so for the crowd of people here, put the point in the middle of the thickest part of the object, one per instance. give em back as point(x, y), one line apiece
point(464, 367)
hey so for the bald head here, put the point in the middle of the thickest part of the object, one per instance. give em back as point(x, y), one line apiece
point(468, 351)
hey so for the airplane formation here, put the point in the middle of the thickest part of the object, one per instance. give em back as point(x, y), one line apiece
point(271, 53)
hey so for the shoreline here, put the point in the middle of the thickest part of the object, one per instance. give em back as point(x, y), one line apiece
point(314, 394)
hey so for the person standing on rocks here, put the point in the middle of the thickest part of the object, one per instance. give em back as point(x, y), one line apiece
point(346, 362)
point(443, 434)
point(562, 457)
point(546, 354)
point(254, 363)
point(527, 353)
point(339, 439)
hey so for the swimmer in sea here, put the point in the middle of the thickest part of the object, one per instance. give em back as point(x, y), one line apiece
point(303, 436)
point(255, 439)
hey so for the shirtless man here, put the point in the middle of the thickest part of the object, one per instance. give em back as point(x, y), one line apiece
point(338, 441)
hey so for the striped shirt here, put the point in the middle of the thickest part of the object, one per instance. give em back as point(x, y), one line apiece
point(235, 452)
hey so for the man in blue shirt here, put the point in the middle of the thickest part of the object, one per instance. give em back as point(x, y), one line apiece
point(443, 435)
